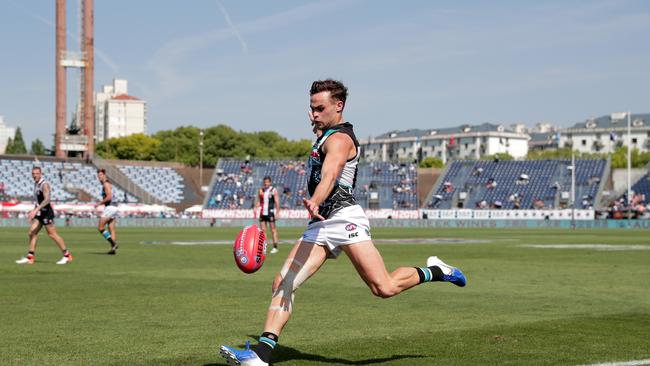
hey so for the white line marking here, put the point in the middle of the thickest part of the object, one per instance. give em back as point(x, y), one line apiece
point(602, 247)
point(624, 363)
point(442, 241)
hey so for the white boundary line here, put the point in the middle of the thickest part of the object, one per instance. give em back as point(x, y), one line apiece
point(624, 363)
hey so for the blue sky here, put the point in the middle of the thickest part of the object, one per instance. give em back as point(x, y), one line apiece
point(408, 64)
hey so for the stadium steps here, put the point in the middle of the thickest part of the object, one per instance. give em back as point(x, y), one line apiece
point(117, 177)
point(439, 182)
point(82, 194)
point(607, 174)
point(192, 194)
point(427, 180)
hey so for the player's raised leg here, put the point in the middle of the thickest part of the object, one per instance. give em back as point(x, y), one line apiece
point(302, 262)
point(370, 265)
point(33, 238)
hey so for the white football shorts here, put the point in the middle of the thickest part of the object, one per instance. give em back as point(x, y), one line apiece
point(110, 212)
point(347, 226)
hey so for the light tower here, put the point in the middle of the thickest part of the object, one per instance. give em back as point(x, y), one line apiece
point(84, 141)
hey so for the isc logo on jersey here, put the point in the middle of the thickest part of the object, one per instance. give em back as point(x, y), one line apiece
point(351, 227)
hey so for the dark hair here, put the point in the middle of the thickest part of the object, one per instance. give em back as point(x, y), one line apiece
point(268, 177)
point(103, 171)
point(37, 168)
point(336, 88)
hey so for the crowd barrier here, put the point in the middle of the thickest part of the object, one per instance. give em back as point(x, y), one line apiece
point(453, 223)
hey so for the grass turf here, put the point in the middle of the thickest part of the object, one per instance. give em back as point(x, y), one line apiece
point(173, 305)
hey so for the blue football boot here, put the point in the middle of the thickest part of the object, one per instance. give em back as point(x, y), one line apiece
point(241, 357)
point(449, 273)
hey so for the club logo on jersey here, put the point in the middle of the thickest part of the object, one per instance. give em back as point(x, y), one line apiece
point(350, 227)
point(314, 154)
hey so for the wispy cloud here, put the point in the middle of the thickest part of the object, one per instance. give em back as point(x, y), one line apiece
point(166, 60)
point(244, 46)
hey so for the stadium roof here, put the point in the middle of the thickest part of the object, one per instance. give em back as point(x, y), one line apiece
point(484, 127)
point(124, 97)
point(615, 120)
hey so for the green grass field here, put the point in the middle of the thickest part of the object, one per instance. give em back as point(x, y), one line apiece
point(166, 304)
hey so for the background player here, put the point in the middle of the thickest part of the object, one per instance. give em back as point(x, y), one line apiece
point(43, 215)
point(110, 212)
point(338, 225)
point(268, 203)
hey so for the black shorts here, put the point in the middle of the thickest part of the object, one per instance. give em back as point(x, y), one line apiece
point(267, 218)
point(46, 217)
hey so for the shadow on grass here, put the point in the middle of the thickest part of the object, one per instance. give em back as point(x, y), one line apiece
point(284, 354)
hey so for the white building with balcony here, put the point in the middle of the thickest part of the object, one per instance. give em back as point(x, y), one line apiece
point(463, 142)
point(604, 134)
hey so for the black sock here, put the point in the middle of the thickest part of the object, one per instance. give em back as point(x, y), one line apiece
point(265, 346)
point(429, 274)
point(106, 234)
point(31, 252)
point(66, 253)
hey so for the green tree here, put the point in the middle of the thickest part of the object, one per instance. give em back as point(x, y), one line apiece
point(37, 148)
point(562, 153)
point(134, 147)
point(10, 146)
point(500, 156)
point(17, 144)
point(182, 145)
point(431, 162)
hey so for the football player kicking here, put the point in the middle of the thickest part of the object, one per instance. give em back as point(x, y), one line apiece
point(337, 224)
point(43, 215)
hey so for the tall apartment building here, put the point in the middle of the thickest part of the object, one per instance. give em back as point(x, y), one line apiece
point(118, 114)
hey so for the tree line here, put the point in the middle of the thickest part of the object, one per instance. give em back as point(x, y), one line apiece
point(16, 146)
point(221, 141)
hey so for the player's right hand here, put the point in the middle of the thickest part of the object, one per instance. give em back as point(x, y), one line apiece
point(312, 207)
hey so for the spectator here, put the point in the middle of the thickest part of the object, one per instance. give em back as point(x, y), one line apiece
point(491, 184)
point(448, 187)
point(523, 179)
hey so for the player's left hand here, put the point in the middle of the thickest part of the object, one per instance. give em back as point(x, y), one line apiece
point(312, 207)
point(31, 215)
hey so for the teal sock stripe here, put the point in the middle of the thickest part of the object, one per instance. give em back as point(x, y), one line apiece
point(268, 341)
point(106, 234)
point(428, 276)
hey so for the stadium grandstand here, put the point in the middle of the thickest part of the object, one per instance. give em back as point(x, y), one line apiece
point(462, 184)
point(75, 180)
point(532, 184)
point(379, 185)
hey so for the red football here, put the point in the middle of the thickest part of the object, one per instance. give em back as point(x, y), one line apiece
point(250, 249)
